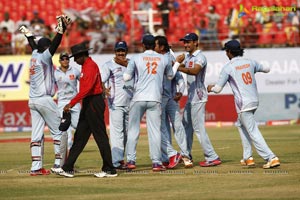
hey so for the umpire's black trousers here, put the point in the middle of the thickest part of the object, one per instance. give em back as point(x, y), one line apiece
point(91, 121)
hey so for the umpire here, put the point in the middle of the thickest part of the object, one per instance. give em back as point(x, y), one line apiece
point(91, 119)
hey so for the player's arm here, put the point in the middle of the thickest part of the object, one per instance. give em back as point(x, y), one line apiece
point(30, 37)
point(62, 22)
point(128, 74)
point(214, 88)
point(217, 88)
point(190, 71)
point(261, 68)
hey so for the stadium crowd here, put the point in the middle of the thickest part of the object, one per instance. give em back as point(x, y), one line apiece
point(102, 23)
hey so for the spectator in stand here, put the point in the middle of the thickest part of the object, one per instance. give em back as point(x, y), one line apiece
point(48, 32)
point(36, 19)
point(174, 6)
point(250, 35)
point(5, 41)
point(144, 5)
point(164, 9)
point(158, 30)
point(278, 17)
point(8, 23)
point(121, 28)
point(23, 22)
point(234, 23)
point(203, 33)
point(213, 20)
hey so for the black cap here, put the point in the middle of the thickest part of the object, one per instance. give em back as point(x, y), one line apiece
point(148, 40)
point(121, 45)
point(43, 43)
point(233, 45)
point(65, 121)
point(190, 37)
point(63, 55)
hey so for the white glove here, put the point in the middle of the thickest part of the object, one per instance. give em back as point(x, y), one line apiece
point(25, 31)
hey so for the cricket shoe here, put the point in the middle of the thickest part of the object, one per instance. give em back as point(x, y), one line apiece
point(249, 162)
point(210, 163)
point(105, 174)
point(41, 171)
point(174, 160)
point(157, 167)
point(66, 174)
point(187, 162)
point(274, 162)
point(122, 165)
point(130, 165)
point(56, 169)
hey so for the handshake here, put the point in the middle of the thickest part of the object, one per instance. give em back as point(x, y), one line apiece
point(62, 22)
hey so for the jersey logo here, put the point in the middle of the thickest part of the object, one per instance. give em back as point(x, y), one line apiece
point(191, 63)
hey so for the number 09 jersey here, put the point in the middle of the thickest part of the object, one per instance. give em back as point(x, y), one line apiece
point(240, 74)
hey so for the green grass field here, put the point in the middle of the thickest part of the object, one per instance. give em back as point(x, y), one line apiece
point(227, 181)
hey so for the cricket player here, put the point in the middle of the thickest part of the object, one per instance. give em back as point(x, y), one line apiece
point(240, 74)
point(118, 101)
point(66, 79)
point(194, 65)
point(149, 68)
point(43, 109)
point(171, 112)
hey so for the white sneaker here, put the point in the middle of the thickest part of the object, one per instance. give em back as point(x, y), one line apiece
point(56, 170)
point(66, 174)
point(274, 162)
point(187, 162)
point(104, 174)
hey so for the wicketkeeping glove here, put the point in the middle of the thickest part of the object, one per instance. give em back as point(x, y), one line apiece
point(26, 31)
point(61, 26)
point(62, 22)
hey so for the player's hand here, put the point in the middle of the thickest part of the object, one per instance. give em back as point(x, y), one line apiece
point(177, 96)
point(180, 58)
point(62, 22)
point(107, 92)
point(121, 61)
point(209, 87)
point(67, 108)
point(25, 31)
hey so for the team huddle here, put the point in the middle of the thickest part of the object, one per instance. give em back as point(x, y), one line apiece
point(150, 84)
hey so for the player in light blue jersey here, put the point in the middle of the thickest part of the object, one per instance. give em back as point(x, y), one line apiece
point(194, 65)
point(148, 68)
point(171, 112)
point(118, 101)
point(43, 109)
point(66, 79)
point(240, 74)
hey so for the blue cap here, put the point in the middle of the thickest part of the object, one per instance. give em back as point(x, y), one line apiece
point(121, 45)
point(232, 45)
point(148, 40)
point(190, 37)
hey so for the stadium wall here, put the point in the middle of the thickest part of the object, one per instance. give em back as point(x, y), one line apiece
point(279, 90)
